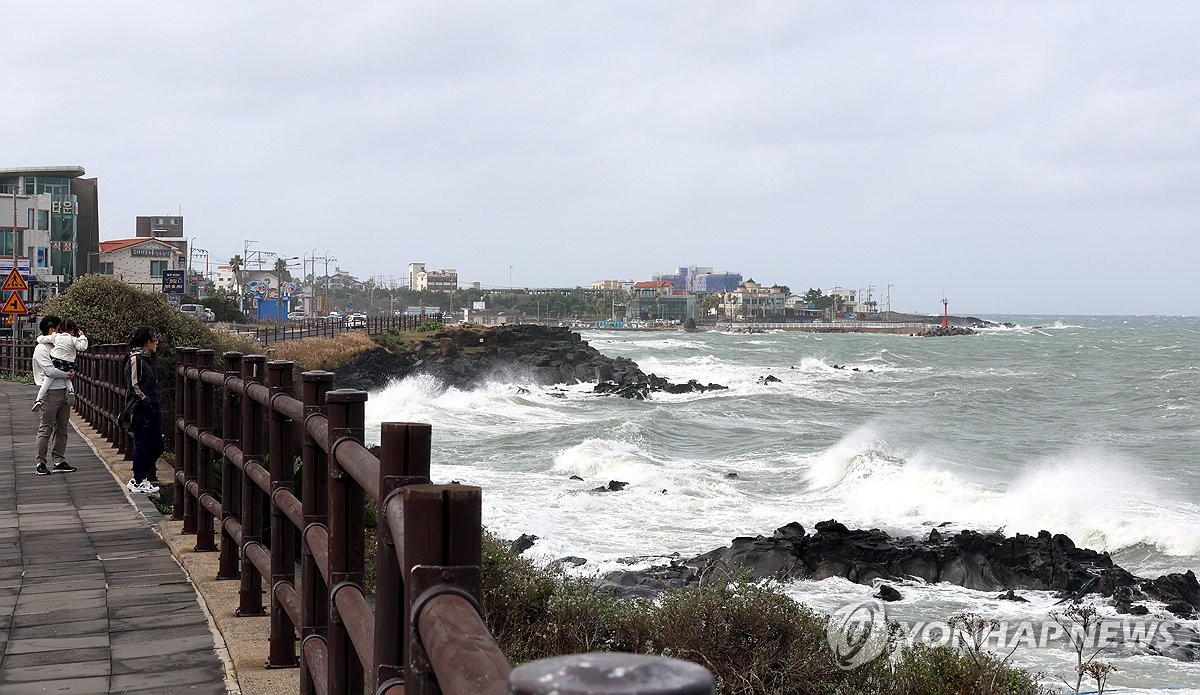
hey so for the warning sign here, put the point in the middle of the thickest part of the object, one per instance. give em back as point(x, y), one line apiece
point(14, 305)
point(14, 282)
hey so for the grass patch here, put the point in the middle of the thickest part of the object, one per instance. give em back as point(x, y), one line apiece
point(323, 353)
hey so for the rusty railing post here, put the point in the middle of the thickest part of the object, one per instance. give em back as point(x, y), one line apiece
point(282, 652)
point(403, 460)
point(250, 595)
point(442, 544)
point(205, 541)
point(346, 421)
point(231, 426)
point(186, 398)
point(314, 472)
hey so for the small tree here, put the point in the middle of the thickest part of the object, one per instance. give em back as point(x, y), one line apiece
point(1080, 622)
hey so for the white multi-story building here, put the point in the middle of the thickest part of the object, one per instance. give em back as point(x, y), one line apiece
point(421, 280)
point(225, 279)
point(847, 299)
point(140, 262)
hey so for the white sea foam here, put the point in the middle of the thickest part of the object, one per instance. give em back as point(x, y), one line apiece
point(1100, 501)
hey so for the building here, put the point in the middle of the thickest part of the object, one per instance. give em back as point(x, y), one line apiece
point(845, 301)
point(57, 230)
point(225, 280)
point(707, 283)
point(140, 262)
point(422, 280)
point(659, 300)
point(752, 300)
point(700, 279)
point(160, 226)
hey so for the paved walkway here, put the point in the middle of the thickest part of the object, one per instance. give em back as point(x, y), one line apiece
point(91, 599)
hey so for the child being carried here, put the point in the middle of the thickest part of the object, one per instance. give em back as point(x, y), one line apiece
point(65, 345)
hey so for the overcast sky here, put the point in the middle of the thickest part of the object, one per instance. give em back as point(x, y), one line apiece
point(1031, 157)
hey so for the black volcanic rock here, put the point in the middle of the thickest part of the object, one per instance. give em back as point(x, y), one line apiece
point(465, 357)
point(975, 560)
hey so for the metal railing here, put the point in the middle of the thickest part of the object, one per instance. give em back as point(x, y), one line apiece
point(23, 364)
point(331, 327)
point(425, 632)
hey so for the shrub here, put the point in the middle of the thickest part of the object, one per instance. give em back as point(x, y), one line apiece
point(109, 311)
point(429, 326)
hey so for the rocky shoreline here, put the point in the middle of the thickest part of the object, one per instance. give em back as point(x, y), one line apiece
point(466, 357)
point(991, 562)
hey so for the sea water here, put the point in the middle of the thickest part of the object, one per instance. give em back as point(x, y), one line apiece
point(1086, 426)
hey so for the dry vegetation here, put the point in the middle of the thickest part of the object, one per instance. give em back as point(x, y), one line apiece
point(323, 353)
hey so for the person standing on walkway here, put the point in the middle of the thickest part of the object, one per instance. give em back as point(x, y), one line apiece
point(56, 411)
point(143, 408)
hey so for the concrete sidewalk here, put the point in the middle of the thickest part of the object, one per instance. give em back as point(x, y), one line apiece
point(91, 599)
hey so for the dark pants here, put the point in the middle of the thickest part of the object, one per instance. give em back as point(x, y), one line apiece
point(147, 441)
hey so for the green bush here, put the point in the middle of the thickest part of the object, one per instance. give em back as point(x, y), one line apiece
point(429, 326)
point(109, 311)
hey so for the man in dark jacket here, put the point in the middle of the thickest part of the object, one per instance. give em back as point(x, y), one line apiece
point(143, 408)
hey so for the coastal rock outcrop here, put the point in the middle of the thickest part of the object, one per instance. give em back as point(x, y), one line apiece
point(990, 562)
point(465, 357)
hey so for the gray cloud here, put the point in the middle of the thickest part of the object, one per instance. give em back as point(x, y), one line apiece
point(1020, 157)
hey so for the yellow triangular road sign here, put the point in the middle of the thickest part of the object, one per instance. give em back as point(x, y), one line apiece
point(14, 281)
point(14, 305)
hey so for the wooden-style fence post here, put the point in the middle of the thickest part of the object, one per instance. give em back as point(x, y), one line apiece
point(186, 399)
point(403, 460)
point(346, 410)
point(282, 652)
point(443, 544)
point(231, 432)
point(204, 409)
point(250, 595)
point(314, 472)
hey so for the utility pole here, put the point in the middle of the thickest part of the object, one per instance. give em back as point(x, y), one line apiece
point(889, 298)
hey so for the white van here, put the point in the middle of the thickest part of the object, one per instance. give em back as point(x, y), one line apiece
point(199, 311)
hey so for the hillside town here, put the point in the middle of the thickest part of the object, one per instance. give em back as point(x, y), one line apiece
point(50, 220)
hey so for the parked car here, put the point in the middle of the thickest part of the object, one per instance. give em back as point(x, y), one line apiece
point(297, 316)
point(199, 312)
point(356, 321)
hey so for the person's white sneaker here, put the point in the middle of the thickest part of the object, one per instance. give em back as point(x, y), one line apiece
point(146, 487)
point(132, 485)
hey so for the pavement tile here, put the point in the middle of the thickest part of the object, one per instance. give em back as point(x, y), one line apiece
point(172, 646)
point(53, 644)
point(79, 669)
point(74, 686)
point(60, 616)
point(68, 656)
point(80, 627)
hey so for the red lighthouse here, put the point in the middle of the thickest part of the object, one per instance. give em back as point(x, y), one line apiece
point(945, 313)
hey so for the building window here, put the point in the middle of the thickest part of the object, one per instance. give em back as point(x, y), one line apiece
point(159, 221)
point(157, 268)
point(174, 220)
point(106, 268)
